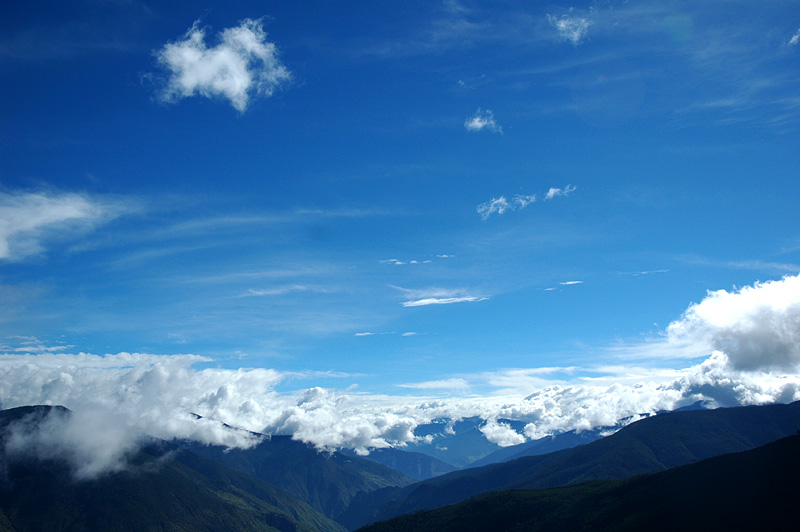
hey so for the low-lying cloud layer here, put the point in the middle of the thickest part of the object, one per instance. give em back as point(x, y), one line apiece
point(751, 336)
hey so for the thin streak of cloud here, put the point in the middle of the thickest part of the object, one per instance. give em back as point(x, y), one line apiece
point(570, 283)
point(443, 384)
point(442, 301)
point(795, 39)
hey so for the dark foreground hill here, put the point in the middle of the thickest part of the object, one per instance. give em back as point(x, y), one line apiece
point(751, 490)
point(652, 444)
point(163, 489)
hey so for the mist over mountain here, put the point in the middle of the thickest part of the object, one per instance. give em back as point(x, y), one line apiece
point(327, 481)
point(651, 444)
point(160, 487)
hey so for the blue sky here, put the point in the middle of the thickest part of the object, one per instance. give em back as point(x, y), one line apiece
point(448, 199)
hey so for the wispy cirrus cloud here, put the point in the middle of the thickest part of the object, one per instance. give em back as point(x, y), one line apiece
point(570, 26)
point(556, 192)
point(795, 39)
point(483, 121)
point(500, 205)
point(243, 64)
point(28, 219)
point(438, 296)
point(443, 384)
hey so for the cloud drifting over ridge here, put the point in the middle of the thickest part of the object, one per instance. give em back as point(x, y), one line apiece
point(242, 64)
point(750, 337)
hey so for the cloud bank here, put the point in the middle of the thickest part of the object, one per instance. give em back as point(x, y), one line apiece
point(241, 65)
point(750, 337)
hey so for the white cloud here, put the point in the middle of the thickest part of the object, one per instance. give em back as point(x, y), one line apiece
point(757, 327)
point(501, 433)
point(364, 334)
point(243, 64)
point(501, 205)
point(555, 192)
point(442, 301)
point(795, 39)
point(494, 206)
point(398, 262)
point(27, 219)
point(483, 120)
point(749, 340)
point(570, 283)
point(277, 291)
point(570, 27)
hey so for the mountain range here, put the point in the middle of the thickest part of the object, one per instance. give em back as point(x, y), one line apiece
point(286, 485)
point(651, 444)
point(750, 490)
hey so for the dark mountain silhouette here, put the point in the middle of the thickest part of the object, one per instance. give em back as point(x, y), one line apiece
point(163, 488)
point(750, 490)
point(326, 481)
point(652, 444)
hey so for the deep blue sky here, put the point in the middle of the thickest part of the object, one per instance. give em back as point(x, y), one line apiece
point(341, 219)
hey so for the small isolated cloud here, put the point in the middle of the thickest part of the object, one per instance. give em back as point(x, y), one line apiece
point(569, 283)
point(570, 27)
point(483, 120)
point(795, 39)
point(556, 192)
point(28, 219)
point(501, 205)
point(364, 334)
point(241, 65)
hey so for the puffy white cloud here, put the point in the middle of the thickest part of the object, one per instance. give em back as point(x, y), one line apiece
point(483, 120)
point(29, 218)
point(555, 192)
point(757, 327)
point(242, 64)
point(570, 27)
point(501, 433)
